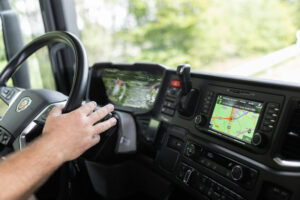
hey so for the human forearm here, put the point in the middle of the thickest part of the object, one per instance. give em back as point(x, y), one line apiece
point(23, 172)
point(65, 137)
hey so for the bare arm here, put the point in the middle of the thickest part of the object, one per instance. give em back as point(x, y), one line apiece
point(65, 137)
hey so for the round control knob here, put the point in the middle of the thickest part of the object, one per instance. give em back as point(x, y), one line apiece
point(190, 150)
point(257, 139)
point(237, 173)
point(200, 120)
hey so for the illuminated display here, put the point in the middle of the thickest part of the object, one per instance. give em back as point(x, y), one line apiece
point(137, 89)
point(235, 117)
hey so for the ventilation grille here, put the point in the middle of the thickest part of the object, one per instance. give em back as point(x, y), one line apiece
point(291, 145)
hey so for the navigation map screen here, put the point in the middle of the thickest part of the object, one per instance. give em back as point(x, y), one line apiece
point(137, 89)
point(235, 117)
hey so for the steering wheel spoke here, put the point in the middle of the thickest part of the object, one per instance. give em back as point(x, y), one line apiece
point(9, 94)
point(34, 128)
point(27, 109)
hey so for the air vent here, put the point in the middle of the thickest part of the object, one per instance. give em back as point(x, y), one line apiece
point(291, 146)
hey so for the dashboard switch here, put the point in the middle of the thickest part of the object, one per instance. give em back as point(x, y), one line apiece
point(200, 120)
point(237, 173)
point(175, 83)
point(190, 150)
point(187, 176)
point(257, 139)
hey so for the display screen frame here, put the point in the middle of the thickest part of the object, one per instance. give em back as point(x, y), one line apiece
point(103, 99)
point(238, 99)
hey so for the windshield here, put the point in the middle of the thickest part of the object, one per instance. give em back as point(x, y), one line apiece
point(243, 37)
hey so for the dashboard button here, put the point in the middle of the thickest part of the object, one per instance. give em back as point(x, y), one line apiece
point(187, 176)
point(216, 196)
point(167, 111)
point(202, 188)
point(175, 83)
point(203, 179)
point(237, 173)
point(190, 150)
point(210, 192)
point(268, 117)
point(266, 128)
point(257, 139)
point(175, 143)
point(273, 105)
point(223, 197)
point(200, 120)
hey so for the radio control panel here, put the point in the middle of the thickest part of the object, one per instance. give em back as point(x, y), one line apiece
point(242, 117)
point(232, 170)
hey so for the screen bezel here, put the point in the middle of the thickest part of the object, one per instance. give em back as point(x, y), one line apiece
point(102, 99)
point(229, 136)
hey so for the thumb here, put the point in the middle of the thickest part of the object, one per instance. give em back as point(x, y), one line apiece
point(56, 111)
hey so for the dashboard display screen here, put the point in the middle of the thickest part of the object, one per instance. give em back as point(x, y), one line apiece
point(235, 117)
point(137, 89)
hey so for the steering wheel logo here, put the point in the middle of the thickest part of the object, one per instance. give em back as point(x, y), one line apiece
point(23, 104)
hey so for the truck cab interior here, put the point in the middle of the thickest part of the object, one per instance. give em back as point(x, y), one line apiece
point(211, 111)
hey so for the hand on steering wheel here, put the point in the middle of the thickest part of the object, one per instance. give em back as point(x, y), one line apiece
point(28, 107)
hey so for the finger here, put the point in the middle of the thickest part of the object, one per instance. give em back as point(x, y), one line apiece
point(103, 126)
point(56, 111)
point(101, 113)
point(94, 140)
point(88, 108)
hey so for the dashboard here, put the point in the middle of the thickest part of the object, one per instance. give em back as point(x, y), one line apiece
point(239, 140)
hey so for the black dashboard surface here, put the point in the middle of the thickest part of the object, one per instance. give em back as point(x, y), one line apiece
point(241, 140)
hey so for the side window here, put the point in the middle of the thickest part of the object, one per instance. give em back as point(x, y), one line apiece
point(3, 60)
point(41, 75)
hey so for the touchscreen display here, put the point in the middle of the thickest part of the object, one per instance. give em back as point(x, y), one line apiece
point(235, 117)
point(137, 89)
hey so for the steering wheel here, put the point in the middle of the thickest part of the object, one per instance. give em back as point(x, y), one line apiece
point(27, 108)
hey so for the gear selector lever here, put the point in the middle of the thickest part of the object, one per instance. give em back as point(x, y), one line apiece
point(189, 95)
point(183, 71)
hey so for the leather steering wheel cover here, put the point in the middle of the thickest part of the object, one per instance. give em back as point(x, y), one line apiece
point(81, 67)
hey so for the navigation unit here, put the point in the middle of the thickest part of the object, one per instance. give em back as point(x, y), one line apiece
point(235, 117)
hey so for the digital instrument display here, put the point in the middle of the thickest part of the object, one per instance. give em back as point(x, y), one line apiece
point(137, 89)
point(3, 108)
point(235, 117)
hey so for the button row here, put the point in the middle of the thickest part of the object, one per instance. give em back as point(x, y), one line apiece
point(243, 175)
point(168, 111)
point(170, 103)
point(206, 104)
point(205, 185)
point(7, 93)
point(5, 137)
point(271, 117)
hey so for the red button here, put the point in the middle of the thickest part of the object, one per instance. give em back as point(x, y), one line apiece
point(175, 83)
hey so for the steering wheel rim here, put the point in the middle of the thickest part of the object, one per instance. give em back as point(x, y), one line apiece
point(81, 67)
point(22, 116)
